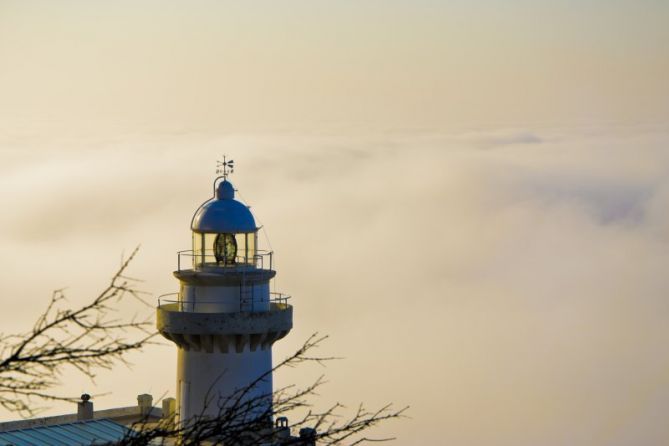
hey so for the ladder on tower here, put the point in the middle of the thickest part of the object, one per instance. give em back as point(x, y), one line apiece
point(246, 294)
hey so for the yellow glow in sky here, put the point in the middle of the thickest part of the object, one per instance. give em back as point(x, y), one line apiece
point(227, 65)
point(470, 198)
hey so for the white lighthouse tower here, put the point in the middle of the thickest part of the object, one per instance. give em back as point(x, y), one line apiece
point(225, 319)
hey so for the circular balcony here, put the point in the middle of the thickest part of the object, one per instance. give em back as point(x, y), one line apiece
point(203, 268)
point(224, 332)
point(208, 260)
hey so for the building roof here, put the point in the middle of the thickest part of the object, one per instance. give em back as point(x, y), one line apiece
point(91, 432)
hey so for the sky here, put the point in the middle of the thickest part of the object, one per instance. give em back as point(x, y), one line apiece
point(211, 65)
point(469, 198)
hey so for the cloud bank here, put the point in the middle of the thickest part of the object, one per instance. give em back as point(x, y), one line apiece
point(508, 285)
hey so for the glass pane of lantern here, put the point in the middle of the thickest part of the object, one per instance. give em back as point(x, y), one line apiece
point(251, 241)
point(225, 249)
point(241, 248)
point(209, 241)
point(198, 252)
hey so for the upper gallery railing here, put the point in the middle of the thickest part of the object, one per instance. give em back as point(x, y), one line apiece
point(202, 260)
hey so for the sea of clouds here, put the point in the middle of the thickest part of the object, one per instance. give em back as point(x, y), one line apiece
point(509, 285)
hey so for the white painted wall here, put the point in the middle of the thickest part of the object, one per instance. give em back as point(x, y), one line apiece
point(205, 380)
point(224, 299)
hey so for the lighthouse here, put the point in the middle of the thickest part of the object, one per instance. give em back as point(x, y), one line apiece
point(224, 319)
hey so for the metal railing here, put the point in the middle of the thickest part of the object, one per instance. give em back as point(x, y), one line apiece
point(202, 260)
point(161, 298)
point(279, 299)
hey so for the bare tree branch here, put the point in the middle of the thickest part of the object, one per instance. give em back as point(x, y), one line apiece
point(87, 338)
point(247, 421)
point(93, 337)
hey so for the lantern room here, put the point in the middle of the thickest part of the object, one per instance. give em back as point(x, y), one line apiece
point(224, 232)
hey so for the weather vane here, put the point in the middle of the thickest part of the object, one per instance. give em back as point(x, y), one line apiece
point(225, 167)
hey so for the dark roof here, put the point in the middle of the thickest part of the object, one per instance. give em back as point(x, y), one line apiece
point(70, 434)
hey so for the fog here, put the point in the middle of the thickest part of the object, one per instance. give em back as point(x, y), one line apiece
point(509, 284)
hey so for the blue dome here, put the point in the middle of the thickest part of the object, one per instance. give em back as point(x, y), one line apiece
point(223, 213)
point(225, 191)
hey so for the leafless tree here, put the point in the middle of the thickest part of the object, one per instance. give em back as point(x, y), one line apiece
point(88, 338)
point(93, 337)
point(247, 421)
